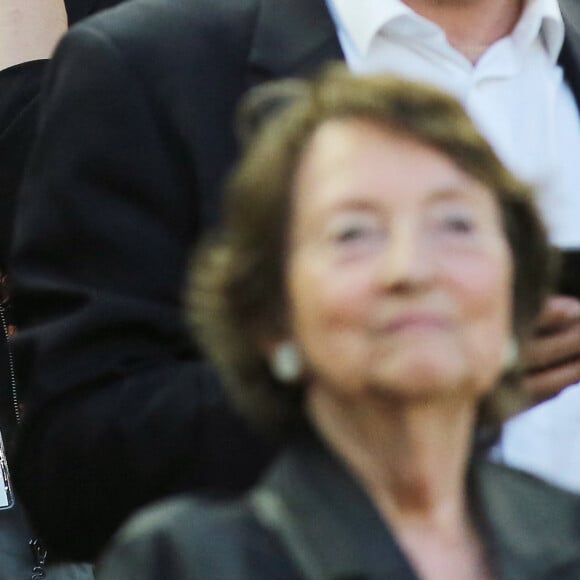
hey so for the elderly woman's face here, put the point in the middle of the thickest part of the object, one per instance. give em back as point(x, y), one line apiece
point(399, 273)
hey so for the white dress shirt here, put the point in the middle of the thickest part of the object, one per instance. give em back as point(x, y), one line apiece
point(518, 98)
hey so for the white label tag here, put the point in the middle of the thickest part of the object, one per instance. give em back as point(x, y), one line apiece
point(6, 496)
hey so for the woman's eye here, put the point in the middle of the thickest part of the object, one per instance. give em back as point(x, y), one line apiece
point(354, 237)
point(353, 233)
point(459, 224)
point(358, 235)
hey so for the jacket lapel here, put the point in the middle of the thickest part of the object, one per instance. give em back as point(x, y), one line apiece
point(529, 527)
point(339, 529)
point(292, 38)
point(570, 55)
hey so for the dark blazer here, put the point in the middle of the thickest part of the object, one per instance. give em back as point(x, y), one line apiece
point(314, 521)
point(80, 9)
point(135, 139)
point(19, 90)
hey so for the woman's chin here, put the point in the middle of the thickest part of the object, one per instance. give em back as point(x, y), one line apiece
point(425, 378)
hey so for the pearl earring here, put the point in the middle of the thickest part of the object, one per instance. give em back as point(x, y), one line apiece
point(511, 355)
point(286, 362)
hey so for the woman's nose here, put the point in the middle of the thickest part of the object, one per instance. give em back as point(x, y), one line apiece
point(407, 260)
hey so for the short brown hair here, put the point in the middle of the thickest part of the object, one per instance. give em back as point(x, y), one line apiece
point(238, 292)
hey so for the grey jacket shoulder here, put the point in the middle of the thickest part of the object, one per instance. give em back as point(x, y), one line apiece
point(536, 526)
point(523, 489)
point(534, 529)
point(193, 539)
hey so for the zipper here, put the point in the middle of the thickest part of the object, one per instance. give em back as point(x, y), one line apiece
point(39, 553)
point(13, 387)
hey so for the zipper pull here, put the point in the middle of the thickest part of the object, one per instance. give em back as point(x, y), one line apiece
point(39, 554)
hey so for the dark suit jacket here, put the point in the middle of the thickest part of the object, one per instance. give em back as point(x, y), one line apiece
point(135, 139)
point(19, 99)
point(312, 506)
point(19, 90)
point(80, 9)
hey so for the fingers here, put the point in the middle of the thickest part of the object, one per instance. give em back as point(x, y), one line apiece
point(548, 383)
point(558, 311)
point(552, 356)
point(553, 348)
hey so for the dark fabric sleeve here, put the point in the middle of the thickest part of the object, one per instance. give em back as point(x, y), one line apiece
point(80, 9)
point(19, 88)
point(119, 408)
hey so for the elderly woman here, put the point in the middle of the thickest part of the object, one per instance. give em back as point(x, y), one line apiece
point(376, 272)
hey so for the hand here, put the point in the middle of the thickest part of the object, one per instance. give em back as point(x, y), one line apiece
point(30, 29)
point(552, 357)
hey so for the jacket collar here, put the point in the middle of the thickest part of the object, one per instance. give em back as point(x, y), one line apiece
point(335, 518)
point(292, 38)
point(529, 527)
point(570, 55)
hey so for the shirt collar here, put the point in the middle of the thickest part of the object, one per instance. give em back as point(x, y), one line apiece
point(543, 18)
point(353, 19)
